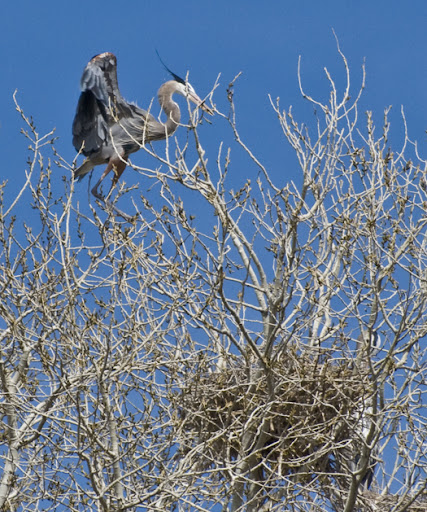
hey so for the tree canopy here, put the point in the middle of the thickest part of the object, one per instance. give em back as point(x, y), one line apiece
point(266, 353)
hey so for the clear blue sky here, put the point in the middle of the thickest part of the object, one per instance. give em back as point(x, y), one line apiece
point(46, 44)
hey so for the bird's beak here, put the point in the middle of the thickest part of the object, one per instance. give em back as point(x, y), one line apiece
point(204, 107)
point(201, 104)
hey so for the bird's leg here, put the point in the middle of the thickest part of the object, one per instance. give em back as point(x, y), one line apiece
point(104, 174)
point(118, 166)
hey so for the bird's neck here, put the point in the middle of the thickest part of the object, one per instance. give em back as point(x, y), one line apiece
point(174, 117)
point(170, 108)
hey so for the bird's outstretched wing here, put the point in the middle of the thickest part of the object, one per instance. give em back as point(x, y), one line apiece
point(100, 77)
point(99, 104)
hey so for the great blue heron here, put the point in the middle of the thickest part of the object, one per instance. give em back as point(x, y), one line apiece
point(107, 129)
point(368, 344)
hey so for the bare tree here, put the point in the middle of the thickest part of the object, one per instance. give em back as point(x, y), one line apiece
point(265, 356)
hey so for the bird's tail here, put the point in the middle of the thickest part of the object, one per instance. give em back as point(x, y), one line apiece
point(81, 171)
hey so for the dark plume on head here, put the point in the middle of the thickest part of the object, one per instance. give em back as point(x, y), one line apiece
point(175, 76)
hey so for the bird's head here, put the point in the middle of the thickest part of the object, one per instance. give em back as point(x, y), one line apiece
point(186, 89)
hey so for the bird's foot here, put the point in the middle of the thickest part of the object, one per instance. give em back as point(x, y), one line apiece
point(111, 208)
point(116, 211)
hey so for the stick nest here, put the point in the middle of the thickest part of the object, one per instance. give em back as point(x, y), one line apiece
point(300, 412)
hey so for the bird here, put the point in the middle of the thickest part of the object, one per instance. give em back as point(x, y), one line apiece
point(358, 457)
point(368, 344)
point(107, 128)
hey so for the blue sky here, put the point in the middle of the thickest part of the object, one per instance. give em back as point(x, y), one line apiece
point(46, 44)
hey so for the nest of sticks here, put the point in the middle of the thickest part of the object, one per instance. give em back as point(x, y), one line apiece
point(301, 412)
